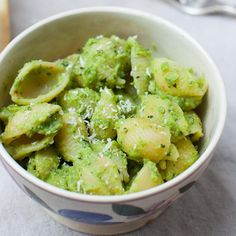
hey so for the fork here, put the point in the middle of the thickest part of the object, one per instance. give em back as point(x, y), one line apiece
point(202, 7)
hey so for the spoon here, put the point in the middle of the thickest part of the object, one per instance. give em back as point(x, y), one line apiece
point(202, 7)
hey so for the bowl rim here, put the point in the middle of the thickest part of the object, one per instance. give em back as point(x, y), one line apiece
point(205, 156)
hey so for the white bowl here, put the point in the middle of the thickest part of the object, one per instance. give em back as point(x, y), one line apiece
point(63, 34)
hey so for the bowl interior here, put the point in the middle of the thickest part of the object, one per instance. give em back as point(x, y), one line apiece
point(64, 35)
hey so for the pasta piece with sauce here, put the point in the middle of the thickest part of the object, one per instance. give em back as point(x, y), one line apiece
point(147, 177)
point(174, 79)
point(141, 139)
point(31, 129)
point(71, 139)
point(38, 81)
point(105, 115)
point(164, 112)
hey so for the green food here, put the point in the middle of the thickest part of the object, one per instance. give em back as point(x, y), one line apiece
point(70, 139)
point(140, 66)
point(38, 81)
point(165, 113)
point(187, 156)
point(104, 62)
point(146, 178)
point(109, 120)
point(105, 116)
point(7, 112)
point(143, 139)
point(176, 80)
point(43, 163)
point(79, 100)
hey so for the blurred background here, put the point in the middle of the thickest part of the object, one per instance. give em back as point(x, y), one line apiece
point(209, 208)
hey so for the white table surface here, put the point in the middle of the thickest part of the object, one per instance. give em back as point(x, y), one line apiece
point(209, 207)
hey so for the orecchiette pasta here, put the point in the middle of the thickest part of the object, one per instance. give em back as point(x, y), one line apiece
point(146, 178)
point(23, 122)
point(176, 80)
point(105, 116)
point(194, 125)
point(187, 156)
point(186, 103)
point(105, 172)
point(107, 120)
point(112, 151)
point(38, 81)
point(104, 62)
point(79, 100)
point(70, 140)
point(165, 113)
point(142, 138)
point(24, 146)
point(43, 163)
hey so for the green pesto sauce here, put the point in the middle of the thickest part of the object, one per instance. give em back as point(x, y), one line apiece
point(109, 119)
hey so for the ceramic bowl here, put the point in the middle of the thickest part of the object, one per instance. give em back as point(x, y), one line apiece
point(62, 35)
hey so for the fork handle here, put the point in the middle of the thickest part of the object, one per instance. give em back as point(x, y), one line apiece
point(226, 9)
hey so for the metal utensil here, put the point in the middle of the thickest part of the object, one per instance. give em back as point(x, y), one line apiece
point(202, 7)
point(4, 24)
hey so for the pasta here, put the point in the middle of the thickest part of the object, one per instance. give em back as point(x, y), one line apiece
point(146, 178)
point(79, 100)
point(140, 71)
point(105, 116)
point(106, 172)
point(66, 177)
point(43, 162)
point(104, 62)
point(176, 80)
point(109, 120)
point(112, 151)
point(38, 81)
point(27, 122)
point(70, 140)
point(9, 111)
point(186, 103)
point(194, 125)
point(187, 156)
point(142, 138)
point(24, 146)
point(165, 113)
